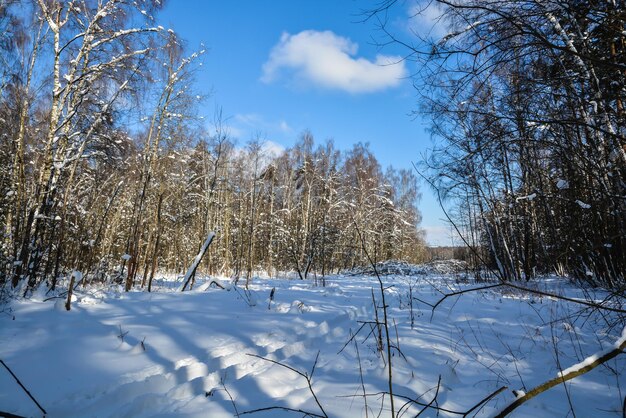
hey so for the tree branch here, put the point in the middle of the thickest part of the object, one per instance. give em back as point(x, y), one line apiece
point(585, 366)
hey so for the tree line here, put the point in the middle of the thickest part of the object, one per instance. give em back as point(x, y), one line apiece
point(526, 99)
point(106, 166)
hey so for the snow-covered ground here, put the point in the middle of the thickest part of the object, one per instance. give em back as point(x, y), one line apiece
point(198, 353)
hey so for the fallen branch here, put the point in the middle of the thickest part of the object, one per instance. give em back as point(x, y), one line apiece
point(460, 292)
point(485, 400)
point(217, 284)
point(9, 415)
point(284, 408)
point(581, 368)
point(23, 387)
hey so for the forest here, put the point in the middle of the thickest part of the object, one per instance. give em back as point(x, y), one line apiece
point(312, 290)
point(105, 155)
point(108, 168)
point(528, 100)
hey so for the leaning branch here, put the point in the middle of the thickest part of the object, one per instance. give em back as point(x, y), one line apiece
point(196, 262)
point(581, 368)
point(579, 301)
point(594, 305)
point(23, 387)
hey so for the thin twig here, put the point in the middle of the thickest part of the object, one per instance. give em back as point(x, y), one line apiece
point(379, 339)
point(308, 380)
point(358, 356)
point(352, 337)
point(232, 400)
point(529, 290)
point(460, 292)
point(433, 400)
point(411, 400)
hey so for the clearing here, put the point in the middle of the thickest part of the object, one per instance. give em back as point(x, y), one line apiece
point(213, 352)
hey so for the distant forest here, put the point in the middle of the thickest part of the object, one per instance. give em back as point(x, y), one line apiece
point(107, 168)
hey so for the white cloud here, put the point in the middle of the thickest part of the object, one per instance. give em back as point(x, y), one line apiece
point(268, 152)
point(330, 61)
point(230, 130)
point(284, 127)
point(254, 123)
point(437, 235)
point(272, 149)
point(425, 19)
point(248, 119)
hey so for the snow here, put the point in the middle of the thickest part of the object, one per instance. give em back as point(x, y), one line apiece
point(562, 184)
point(583, 204)
point(529, 197)
point(592, 358)
point(77, 275)
point(169, 353)
point(519, 394)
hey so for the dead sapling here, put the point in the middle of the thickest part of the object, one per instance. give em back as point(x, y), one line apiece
point(76, 276)
point(385, 318)
point(269, 304)
point(122, 334)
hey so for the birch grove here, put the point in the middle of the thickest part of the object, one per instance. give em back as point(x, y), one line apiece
point(108, 168)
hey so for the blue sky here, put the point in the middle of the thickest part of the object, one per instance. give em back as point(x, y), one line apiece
point(278, 68)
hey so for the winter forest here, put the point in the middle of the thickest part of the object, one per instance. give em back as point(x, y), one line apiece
point(81, 190)
point(155, 265)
